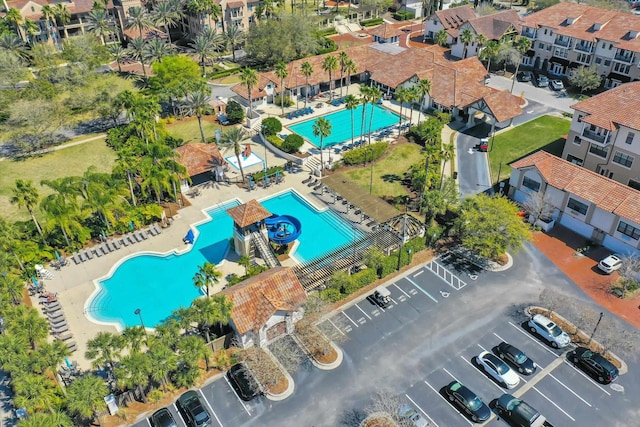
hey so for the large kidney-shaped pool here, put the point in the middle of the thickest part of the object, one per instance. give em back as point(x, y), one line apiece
point(159, 284)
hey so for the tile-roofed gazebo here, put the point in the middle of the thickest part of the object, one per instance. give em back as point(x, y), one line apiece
point(201, 160)
point(248, 225)
point(248, 214)
point(266, 305)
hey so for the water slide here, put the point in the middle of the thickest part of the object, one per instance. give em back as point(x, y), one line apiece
point(283, 229)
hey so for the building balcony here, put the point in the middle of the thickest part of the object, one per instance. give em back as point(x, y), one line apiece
point(586, 48)
point(562, 42)
point(596, 137)
point(529, 33)
point(628, 59)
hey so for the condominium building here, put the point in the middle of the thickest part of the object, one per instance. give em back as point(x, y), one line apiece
point(568, 35)
point(605, 134)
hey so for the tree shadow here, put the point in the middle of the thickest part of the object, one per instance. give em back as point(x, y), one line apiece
point(351, 418)
point(391, 177)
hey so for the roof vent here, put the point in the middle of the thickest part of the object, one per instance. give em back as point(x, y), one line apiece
point(570, 21)
point(597, 26)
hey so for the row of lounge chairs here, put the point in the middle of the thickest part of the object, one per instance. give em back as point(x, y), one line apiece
point(299, 113)
point(350, 146)
point(338, 199)
point(52, 310)
point(113, 245)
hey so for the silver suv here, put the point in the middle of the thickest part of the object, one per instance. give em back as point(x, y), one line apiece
point(548, 330)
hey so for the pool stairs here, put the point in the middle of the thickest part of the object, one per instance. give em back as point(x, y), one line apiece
point(265, 250)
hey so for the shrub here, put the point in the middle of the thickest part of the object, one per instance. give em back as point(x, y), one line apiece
point(329, 31)
point(272, 170)
point(218, 74)
point(287, 101)
point(358, 155)
point(371, 22)
point(275, 140)
point(363, 278)
point(235, 112)
point(292, 143)
point(271, 126)
point(326, 46)
point(403, 15)
point(331, 295)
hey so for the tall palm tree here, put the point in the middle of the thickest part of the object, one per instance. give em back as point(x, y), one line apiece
point(245, 261)
point(351, 103)
point(321, 129)
point(118, 53)
point(155, 50)
point(466, 37)
point(448, 152)
point(127, 163)
point(282, 73)
point(154, 176)
point(489, 52)
point(343, 59)
point(401, 94)
point(10, 236)
point(232, 138)
point(192, 349)
point(30, 29)
point(49, 15)
point(138, 18)
point(41, 419)
point(440, 38)
point(137, 49)
point(34, 392)
point(424, 90)
point(204, 48)
point(12, 284)
point(329, 65)
point(350, 68)
point(166, 14)
point(134, 337)
point(197, 103)
point(233, 36)
point(15, 17)
point(100, 23)
point(481, 39)
point(65, 215)
point(104, 350)
point(25, 195)
point(207, 312)
point(101, 195)
point(413, 96)
point(522, 45)
point(365, 96)
point(163, 362)
point(85, 397)
point(207, 275)
point(63, 16)
point(307, 71)
point(133, 372)
point(374, 95)
point(31, 325)
point(50, 356)
point(249, 78)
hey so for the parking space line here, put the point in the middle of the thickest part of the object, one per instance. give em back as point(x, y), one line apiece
point(363, 312)
point(450, 374)
point(179, 414)
point(334, 325)
point(483, 373)
point(400, 289)
point(423, 291)
point(421, 410)
point(418, 273)
point(448, 403)
point(503, 340)
point(532, 338)
point(394, 301)
point(148, 422)
point(210, 408)
point(236, 394)
point(571, 391)
point(554, 404)
point(587, 377)
point(350, 320)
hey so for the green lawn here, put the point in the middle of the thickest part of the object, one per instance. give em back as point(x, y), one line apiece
point(543, 133)
point(388, 172)
point(189, 130)
point(72, 161)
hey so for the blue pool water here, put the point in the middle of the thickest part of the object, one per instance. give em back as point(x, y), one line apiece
point(159, 285)
point(341, 125)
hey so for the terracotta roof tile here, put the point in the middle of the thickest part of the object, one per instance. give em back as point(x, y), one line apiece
point(385, 31)
point(74, 7)
point(606, 193)
point(199, 158)
point(495, 25)
point(617, 106)
point(504, 105)
point(257, 299)
point(248, 213)
point(454, 17)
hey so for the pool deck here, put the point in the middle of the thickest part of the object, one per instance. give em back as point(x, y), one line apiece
point(74, 283)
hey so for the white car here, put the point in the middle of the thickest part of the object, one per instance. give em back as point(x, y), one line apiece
point(610, 264)
point(413, 417)
point(556, 84)
point(548, 330)
point(498, 369)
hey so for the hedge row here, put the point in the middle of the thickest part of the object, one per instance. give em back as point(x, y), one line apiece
point(358, 156)
point(224, 73)
point(371, 22)
point(403, 15)
point(329, 31)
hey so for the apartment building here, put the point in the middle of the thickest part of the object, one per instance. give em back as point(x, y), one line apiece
point(236, 13)
point(605, 134)
point(568, 35)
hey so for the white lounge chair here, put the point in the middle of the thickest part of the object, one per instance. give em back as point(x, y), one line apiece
point(89, 254)
point(64, 337)
point(125, 241)
point(72, 346)
point(60, 329)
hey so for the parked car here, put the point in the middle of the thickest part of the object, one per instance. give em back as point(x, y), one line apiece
point(542, 81)
point(498, 369)
point(518, 413)
point(243, 382)
point(556, 84)
point(192, 410)
point(382, 296)
point(516, 357)
point(611, 263)
point(594, 364)
point(525, 76)
point(484, 144)
point(162, 418)
point(467, 401)
point(413, 417)
point(548, 330)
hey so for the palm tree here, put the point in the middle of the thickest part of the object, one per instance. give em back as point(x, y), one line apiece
point(138, 18)
point(168, 332)
point(329, 65)
point(166, 14)
point(249, 78)
point(204, 48)
point(413, 97)
point(118, 53)
point(351, 103)
point(85, 397)
point(134, 337)
point(127, 162)
point(104, 349)
point(197, 103)
point(49, 15)
point(282, 73)
point(163, 362)
point(101, 195)
point(134, 371)
point(365, 96)
point(343, 59)
point(65, 215)
point(441, 38)
point(13, 285)
point(207, 312)
point(137, 50)
point(31, 325)
point(233, 36)
point(424, 90)
point(522, 45)
point(192, 349)
point(154, 176)
point(350, 68)
point(63, 15)
point(307, 71)
point(245, 261)
point(402, 94)
point(14, 44)
point(232, 138)
point(50, 356)
point(322, 129)
point(31, 29)
point(374, 95)
point(10, 235)
point(25, 195)
point(34, 392)
point(155, 50)
point(100, 23)
point(42, 419)
point(15, 17)
point(448, 152)
point(207, 275)
point(489, 52)
point(481, 39)
point(466, 37)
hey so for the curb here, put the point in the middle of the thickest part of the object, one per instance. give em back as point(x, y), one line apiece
point(495, 267)
point(315, 362)
point(290, 384)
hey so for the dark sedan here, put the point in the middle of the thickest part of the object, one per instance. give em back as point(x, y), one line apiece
point(468, 402)
point(525, 76)
point(594, 364)
point(162, 418)
point(517, 358)
point(243, 382)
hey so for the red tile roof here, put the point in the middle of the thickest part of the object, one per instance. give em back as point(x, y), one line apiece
point(258, 91)
point(453, 17)
point(495, 25)
point(32, 8)
point(199, 158)
point(248, 213)
point(607, 194)
point(385, 31)
point(617, 106)
point(257, 299)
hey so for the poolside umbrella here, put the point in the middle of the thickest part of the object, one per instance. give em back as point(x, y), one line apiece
point(131, 225)
point(67, 362)
point(104, 235)
point(189, 237)
point(277, 174)
point(250, 183)
point(58, 255)
point(35, 281)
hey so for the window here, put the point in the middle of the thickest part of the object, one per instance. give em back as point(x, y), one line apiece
point(575, 160)
point(531, 184)
point(598, 151)
point(623, 159)
point(598, 60)
point(607, 62)
point(630, 137)
point(610, 46)
point(577, 206)
point(584, 58)
point(634, 184)
point(629, 230)
point(577, 140)
point(621, 68)
point(540, 45)
point(549, 47)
